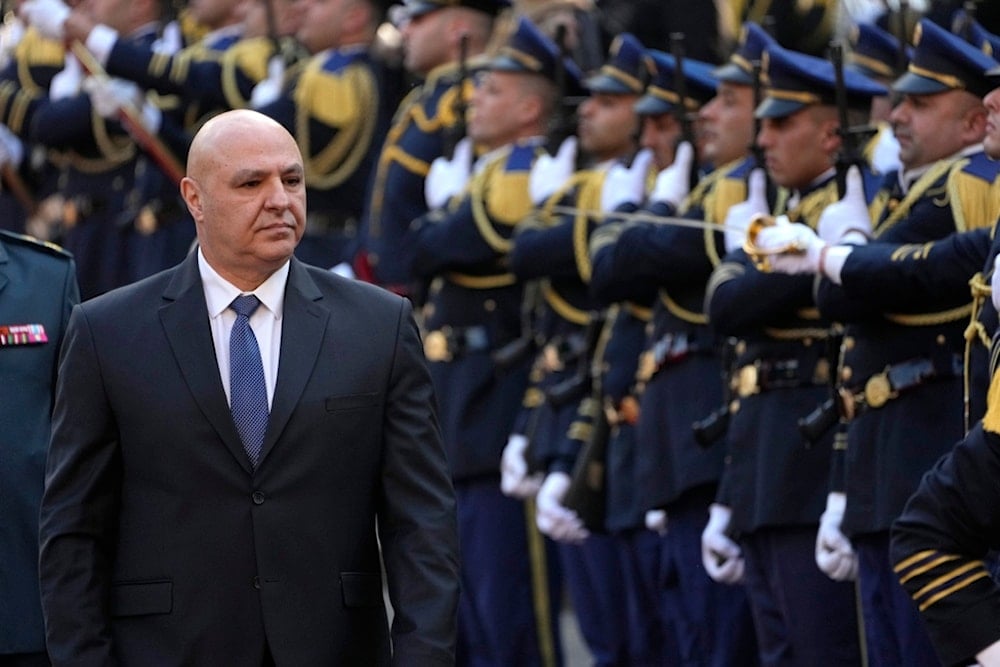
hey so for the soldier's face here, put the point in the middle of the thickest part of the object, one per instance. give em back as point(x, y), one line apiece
point(933, 127)
point(288, 16)
point(214, 14)
point(992, 140)
point(325, 22)
point(727, 124)
point(800, 147)
point(500, 108)
point(660, 134)
point(608, 126)
point(424, 44)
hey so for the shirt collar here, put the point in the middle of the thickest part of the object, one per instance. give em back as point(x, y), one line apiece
point(219, 292)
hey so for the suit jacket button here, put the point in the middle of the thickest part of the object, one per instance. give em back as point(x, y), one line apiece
point(256, 583)
point(257, 497)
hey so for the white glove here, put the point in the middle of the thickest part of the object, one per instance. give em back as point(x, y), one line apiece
point(722, 558)
point(626, 185)
point(782, 237)
point(738, 216)
point(555, 520)
point(66, 83)
point(270, 88)
point(674, 183)
point(11, 148)
point(170, 41)
point(549, 173)
point(514, 478)
point(989, 656)
point(11, 34)
point(847, 220)
point(48, 17)
point(995, 283)
point(885, 157)
point(656, 521)
point(834, 554)
point(447, 178)
point(109, 95)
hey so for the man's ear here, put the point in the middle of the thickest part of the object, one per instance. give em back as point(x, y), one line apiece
point(192, 197)
point(831, 139)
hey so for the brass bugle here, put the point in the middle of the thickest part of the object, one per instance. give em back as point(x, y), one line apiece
point(761, 257)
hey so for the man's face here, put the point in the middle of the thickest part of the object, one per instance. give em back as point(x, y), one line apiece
point(608, 125)
point(425, 46)
point(932, 127)
point(495, 112)
point(112, 13)
point(798, 148)
point(249, 201)
point(323, 23)
point(288, 15)
point(213, 14)
point(660, 134)
point(992, 140)
point(727, 124)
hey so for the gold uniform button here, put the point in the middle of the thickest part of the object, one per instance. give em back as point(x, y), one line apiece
point(940, 339)
point(489, 305)
point(878, 391)
point(746, 381)
point(734, 407)
point(845, 374)
point(436, 347)
point(848, 343)
point(741, 347)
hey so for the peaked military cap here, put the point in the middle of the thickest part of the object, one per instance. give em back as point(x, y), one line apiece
point(624, 72)
point(530, 51)
point(874, 52)
point(796, 80)
point(739, 68)
point(983, 39)
point(943, 61)
point(661, 93)
point(411, 9)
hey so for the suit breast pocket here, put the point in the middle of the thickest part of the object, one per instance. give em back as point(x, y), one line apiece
point(352, 402)
point(142, 598)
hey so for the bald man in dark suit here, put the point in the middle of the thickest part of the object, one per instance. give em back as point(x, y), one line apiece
point(206, 505)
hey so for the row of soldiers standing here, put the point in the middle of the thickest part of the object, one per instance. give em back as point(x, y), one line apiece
point(585, 301)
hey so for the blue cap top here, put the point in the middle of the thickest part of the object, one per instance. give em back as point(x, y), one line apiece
point(661, 94)
point(982, 39)
point(874, 52)
point(530, 51)
point(414, 8)
point(739, 68)
point(624, 72)
point(794, 81)
point(943, 61)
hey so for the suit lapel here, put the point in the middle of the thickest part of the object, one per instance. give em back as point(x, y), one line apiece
point(302, 330)
point(184, 316)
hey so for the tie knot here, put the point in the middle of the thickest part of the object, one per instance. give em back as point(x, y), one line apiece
point(245, 304)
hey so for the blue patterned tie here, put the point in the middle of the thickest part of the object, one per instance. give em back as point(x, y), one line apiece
point(248, 392)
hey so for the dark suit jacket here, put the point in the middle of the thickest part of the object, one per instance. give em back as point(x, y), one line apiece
point(161, 546)
point(37, 286)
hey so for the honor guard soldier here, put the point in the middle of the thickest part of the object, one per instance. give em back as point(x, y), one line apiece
point(24, 82)
point(876, 54)
point(678, 475)
point(37, 290)
point(553, 250)
point(940, 542)
point(443, 42)
point(473, 310)
point(338, 141)
point(900, 375)
point(763, 527)
point(97, 158)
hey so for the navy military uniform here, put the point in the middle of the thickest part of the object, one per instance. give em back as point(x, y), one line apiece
point(97, 161)
point(553, 249)
point(338, 142)
point(940, 543)
point(473, 310)
point(774, 479)
point(37, 290)
point(428, 119)
point(900, 380)
point(671, 470)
